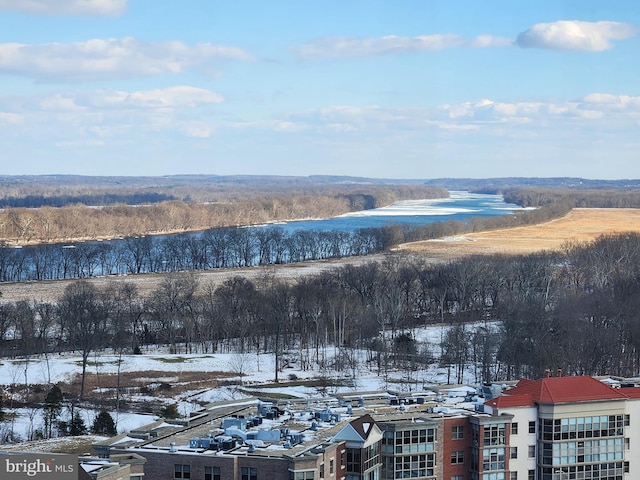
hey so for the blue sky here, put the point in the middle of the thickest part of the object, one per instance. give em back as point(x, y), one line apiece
point(376, 88)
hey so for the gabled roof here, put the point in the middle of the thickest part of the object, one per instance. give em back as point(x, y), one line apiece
point(363, 425)
point(558, 390)
point(359, 430)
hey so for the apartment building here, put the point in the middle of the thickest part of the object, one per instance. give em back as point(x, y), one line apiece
point(566, 428)
point(555, 428)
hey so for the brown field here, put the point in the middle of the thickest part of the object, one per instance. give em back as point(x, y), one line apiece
point(580, 225)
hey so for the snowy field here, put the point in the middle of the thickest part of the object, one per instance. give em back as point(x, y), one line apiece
point(257, 378)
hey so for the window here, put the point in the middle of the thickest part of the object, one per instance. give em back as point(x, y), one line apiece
point(322, 470)
point(493, 459)
point(411, 466)
point(532, 451)
point(457, 432)
point(495, 434)
point(514, 428)
point(331, 466)
point(531, 475)
point(211, 473)
point(457, 477)
point(457, 457)
point(248, 473)
point(513, 476)
point(302, 476)
point(182, 471)
point(514, 452)
point(532, 427)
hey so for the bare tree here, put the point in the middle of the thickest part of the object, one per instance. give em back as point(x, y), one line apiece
point(83, 316)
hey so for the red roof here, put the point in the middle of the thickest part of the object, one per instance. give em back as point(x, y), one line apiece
point(560, 390)
point(508, 400)
point(631, 392)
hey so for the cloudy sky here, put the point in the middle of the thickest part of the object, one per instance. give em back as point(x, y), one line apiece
point(376, 88)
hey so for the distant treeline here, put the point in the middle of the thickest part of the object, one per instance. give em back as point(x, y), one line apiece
point(576, 198)
point(79, 222)
point(493, 185)
point(36, 201)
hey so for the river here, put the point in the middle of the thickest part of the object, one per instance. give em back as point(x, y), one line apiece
point(349, 235)
point(460, 206)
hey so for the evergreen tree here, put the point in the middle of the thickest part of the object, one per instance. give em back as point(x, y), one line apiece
point(74, 427)
point(52, 409)
point(103, 424)
point(169, 411)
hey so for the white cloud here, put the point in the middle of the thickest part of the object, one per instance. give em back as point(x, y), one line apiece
point(488, 115)
point(70, 7)
point(171, 97)
point(198, 129)
point(575, 35)
point(175, 97)
point(613, 101)
point(118, 116)
point(349, 47)
point(98, 59)
point(10, 118)
point(487, 41)
point(79, 143)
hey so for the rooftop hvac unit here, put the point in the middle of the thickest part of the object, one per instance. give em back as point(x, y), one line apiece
point(200, 442)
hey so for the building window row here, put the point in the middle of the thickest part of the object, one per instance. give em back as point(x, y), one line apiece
point(583, 427)
point(583, 452)
point(420, 440)
point(309, 475)
point(514, 428)
point(604, 471)
point(414, 466)
point(495, 434)
point(493, 476)
point(493, 459)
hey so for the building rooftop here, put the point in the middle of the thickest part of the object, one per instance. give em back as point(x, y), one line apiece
point(555, 390)
point(286, 427)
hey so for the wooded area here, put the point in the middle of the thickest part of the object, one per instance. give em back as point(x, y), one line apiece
point(574, 309)
point(223, 208)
